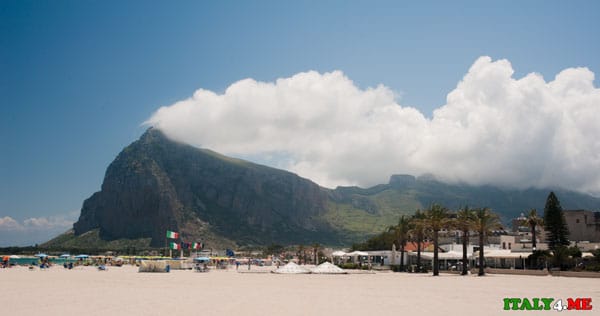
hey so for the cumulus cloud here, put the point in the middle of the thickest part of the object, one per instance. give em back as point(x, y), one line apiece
point(34, 229)
point(493, 129)
point(9, 223)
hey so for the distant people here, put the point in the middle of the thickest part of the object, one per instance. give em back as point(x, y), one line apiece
point(249, 264)
point(70, 265)
point(237, 265)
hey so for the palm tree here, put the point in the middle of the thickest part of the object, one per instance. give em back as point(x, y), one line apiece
point(316, 247)
point(301, 254)
point(485, 222)
point(464, 222)
point(533, 221)
point(401, 231)
point(417, 233)
point(436, 218)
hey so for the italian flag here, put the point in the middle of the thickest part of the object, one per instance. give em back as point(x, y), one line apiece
point(172, 235)
point(174, 245)
point(196, 245)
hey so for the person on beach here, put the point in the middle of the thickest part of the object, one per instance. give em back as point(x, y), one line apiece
point(249, 263)
point(237, 265)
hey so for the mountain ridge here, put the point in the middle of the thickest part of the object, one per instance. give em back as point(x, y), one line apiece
point(157, 184)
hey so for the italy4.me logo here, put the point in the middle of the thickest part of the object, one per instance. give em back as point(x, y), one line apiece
point(546, 303)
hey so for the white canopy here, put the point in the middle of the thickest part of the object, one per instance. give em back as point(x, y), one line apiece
point(450, 255)
point(328, 268)
point(291, 268)
point(357, 253)
point(502, 253)
point(338, 253)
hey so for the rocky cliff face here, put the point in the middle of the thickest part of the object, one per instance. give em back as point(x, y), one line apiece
point(156, 184)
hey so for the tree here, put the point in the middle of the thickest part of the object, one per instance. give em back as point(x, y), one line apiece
point(533, 221)
point(436, 218)
point(301, 254)
point(316, 247)
point(273, 249)
point(417, 233)
point(465, 222)
point(401, 232)
point(485, 222)
point(555, 223)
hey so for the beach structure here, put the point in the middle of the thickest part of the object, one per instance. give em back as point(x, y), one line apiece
point(504, 258)
point(154, 266)
point(328, 268)
point(291, 268)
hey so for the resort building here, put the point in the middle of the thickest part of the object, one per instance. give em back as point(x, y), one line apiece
point(583, 225)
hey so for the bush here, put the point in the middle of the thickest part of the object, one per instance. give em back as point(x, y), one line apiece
point(595, 267)
point(349, 265)
point(395, 268)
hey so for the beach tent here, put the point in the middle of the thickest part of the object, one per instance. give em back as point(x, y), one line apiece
point(153, 266)
point(328, 268)
point(358, 255)
point(339, 255)
point(291, 268)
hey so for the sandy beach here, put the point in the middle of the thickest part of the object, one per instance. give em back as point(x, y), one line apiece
point(124, 291)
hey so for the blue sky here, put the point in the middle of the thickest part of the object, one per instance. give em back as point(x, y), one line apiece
point(78, 78)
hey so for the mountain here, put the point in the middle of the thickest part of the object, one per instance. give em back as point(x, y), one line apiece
point(156, 184)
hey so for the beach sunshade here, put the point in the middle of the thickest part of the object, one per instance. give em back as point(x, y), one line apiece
point(41, 255)
point(202, 259)
point(15, 257)
point(291, 268)
point(65, 255)
point(5, 258)
point(328, 268)
point(82, 256)
point(338, 253)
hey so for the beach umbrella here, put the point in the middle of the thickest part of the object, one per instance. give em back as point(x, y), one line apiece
point(15, 257)
point(65, 255)
point(82, 256)
point(202, 259)
point(5, 258)
point(41, 255)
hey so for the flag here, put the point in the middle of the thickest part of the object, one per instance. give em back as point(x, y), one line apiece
point(174, 245)
point(172, 235)
point(196, 245)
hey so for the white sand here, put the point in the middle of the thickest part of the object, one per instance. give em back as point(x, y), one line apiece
point(124, 291)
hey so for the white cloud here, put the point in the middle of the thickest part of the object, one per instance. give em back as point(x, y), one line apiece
point(34, 229)
point(9, 223)
point(494, 129)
